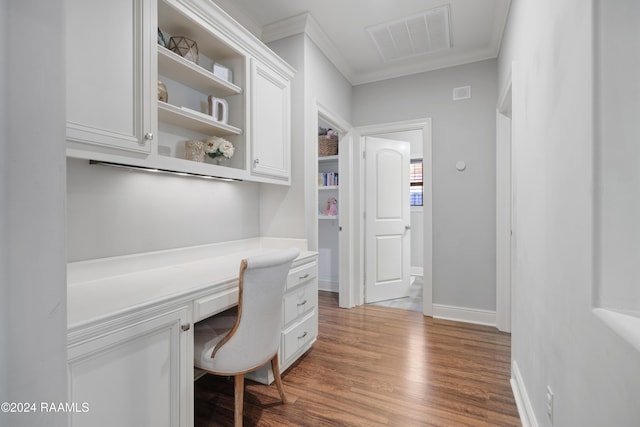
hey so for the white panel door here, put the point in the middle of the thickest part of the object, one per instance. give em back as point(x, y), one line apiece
point(387, 235)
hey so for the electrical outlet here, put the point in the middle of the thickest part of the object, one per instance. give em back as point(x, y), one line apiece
point(550, 404)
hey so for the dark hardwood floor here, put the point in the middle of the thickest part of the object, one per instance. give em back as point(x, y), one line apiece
point(379, 366)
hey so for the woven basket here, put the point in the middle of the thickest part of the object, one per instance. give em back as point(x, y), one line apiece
point(327, 145)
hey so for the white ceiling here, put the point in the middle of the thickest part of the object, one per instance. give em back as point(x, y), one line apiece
point(339, 28)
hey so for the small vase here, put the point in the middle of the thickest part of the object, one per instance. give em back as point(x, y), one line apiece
point(194, 150)
point(163, 95)
point(219, 160)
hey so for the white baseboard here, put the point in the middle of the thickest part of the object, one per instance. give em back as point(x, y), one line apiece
point(464, 314)
point(417, 271)
point(525, 410)
point(328, 285)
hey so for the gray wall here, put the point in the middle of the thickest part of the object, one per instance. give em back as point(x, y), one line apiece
point(282, 209)
point(316, 80)
point(33, 246)
point(4, 201)
point(463, 203)
point(556, 338)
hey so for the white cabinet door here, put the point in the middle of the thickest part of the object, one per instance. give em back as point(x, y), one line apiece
point(270, 122)
point(137, 375)
point(108, 73)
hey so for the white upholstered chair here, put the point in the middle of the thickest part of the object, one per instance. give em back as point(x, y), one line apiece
point(233, 347)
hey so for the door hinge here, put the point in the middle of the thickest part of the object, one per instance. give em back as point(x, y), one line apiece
point(364, 154)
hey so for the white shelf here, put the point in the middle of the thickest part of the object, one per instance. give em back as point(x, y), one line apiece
point(327, 187)
point(327, 216)
point(174, 20)
point(194, 120)
point(328, 158)
point(176, 67)
point(200, 168)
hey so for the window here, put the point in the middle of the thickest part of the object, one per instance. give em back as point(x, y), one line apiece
point(415, 180)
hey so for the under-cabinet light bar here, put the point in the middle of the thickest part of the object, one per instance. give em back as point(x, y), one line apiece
point(164, 171)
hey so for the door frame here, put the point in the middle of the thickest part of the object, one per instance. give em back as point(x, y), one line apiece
point(346, 245)
point(359, 133)
point(504, 207)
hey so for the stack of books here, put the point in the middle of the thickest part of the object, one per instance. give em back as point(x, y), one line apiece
point(326, 179)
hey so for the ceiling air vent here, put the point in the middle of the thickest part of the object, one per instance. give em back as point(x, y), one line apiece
point(415, 35)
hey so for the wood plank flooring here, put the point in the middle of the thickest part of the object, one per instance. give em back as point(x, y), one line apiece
point(379, 366)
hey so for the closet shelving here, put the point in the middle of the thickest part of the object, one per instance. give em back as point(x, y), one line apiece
point(327, 165)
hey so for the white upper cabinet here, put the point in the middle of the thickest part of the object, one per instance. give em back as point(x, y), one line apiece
point(108, 78)
point(270, 122)
point(225, 83)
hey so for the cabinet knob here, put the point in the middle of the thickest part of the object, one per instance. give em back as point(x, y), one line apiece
point(256, 161)
point(303, 335)
point(185, 327)
point(148, 136)
point(302, 303)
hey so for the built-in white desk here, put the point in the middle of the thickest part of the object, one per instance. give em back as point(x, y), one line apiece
point(130, 323)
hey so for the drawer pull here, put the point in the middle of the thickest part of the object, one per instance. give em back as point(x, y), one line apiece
point(303, 335)
point(302, 303)
point(303, 277)
point(185, 327)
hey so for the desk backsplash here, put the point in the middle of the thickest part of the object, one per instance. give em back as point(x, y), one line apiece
point(114, 212)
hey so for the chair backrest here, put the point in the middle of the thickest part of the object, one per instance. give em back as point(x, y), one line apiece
point(255, 337)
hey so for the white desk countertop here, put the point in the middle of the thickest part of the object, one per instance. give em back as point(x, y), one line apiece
point(103, 288)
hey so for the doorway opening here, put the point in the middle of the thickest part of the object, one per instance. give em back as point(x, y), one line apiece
point(333, 228)
point(418, 132)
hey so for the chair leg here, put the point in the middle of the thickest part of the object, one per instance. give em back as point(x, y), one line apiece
point(239, 399)
point(275, 367)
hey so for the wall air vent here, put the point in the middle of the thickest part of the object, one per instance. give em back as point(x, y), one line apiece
point(414, 35)
point(463, 92)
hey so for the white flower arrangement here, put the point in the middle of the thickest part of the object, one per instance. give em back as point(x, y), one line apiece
point(217, 147)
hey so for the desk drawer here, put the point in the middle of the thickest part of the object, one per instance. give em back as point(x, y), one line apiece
point(299, 301)
point(302, 274)
point(208, 306)
point(299, 336)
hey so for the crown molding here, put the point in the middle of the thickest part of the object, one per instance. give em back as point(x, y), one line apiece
point(422, 67)
point(306, 24)
point(285, 28)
